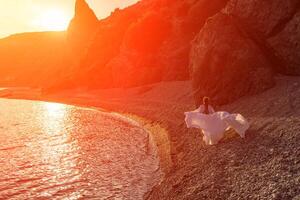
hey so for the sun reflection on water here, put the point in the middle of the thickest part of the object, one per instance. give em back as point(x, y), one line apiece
point(55, 109)
point(58, 150)
point(54, 117)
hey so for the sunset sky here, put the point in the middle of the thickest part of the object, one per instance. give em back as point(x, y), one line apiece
point(39, 15)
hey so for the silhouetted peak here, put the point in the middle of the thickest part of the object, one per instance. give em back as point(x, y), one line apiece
point(84, 16)
point(82, 10)
point(82, 27)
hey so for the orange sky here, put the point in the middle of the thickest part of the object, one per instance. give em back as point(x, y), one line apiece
point(39, 15)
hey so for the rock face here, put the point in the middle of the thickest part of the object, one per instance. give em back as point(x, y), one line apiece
point(80, 35)
point(286, 44)
point(146, 43)
point(187, 20)
point(137, 62)
point(93, 70)
point(237, 50)
point(233, 47)
point(266, 16)
point(275, 23)
point(226, 64)
point(82, 27)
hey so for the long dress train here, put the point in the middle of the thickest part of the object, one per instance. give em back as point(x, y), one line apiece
point(214, 125)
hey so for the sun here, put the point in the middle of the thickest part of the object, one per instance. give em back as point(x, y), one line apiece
point(52, 20)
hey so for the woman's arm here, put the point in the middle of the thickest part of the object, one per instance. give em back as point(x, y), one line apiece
point(211, 109)
point(200, 109)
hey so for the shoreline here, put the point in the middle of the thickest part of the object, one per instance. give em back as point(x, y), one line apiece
point(158, 135)
point(119, 101)
point(266, 164)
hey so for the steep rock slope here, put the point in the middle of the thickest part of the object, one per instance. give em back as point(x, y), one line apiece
point(226, 64)
point(286, 44)
point(275, 23)
point(145, 43)
point(226, 69)
point(233, 47)
point(80, 34)
point(82, 27)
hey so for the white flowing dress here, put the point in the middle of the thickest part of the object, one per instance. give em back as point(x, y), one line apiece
point(215, 124)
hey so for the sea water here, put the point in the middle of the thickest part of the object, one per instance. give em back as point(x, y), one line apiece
point(57, 151)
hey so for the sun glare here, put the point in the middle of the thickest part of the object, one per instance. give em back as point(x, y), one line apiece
point(55, 109)
point(52, 20)
point(54, 117)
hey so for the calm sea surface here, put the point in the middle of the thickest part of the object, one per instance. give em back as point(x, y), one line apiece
point(56, 151)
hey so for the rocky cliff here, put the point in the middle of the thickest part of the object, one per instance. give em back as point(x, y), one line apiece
point(229, 48)
point(82, 27)
point(238, 50)
point(146, 43)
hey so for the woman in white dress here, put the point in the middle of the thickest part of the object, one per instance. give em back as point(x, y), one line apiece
point(214, 124)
